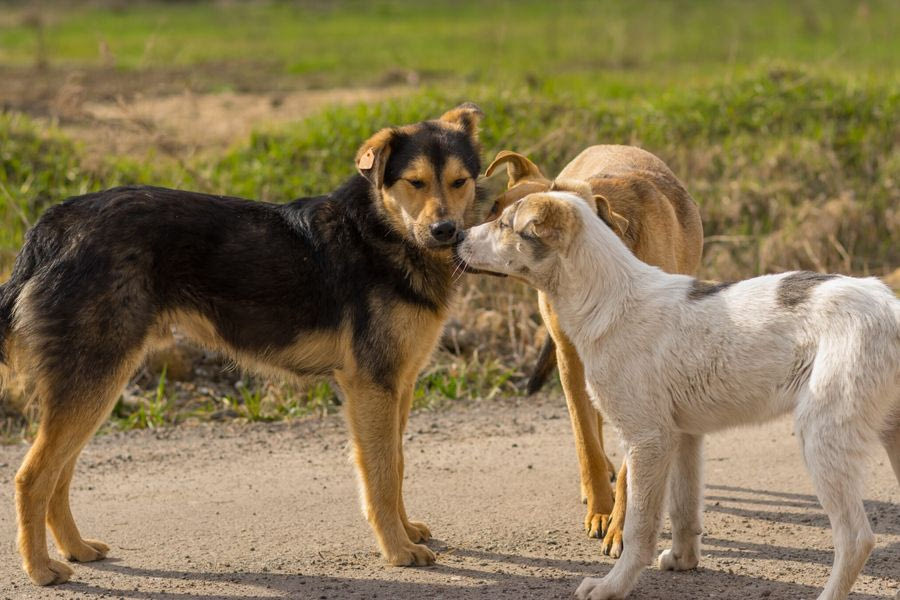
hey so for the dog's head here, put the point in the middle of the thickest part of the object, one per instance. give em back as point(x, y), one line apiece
point(424, 175)
point(531, 236)
point(523, 178)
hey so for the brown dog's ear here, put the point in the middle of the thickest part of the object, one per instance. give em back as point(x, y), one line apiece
point(616, 222)
point(518, 167)
point(575, 186)
point(466, 116)
point(372, 156)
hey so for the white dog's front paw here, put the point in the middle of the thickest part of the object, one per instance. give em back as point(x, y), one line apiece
point(669, 562)
point(594, 588)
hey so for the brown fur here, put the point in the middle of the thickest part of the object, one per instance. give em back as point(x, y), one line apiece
point(646, 205)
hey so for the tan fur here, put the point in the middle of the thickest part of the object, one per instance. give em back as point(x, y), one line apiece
point(645, 204)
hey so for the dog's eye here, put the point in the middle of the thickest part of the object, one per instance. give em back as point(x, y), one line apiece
point(416, 183)
point(459, 182)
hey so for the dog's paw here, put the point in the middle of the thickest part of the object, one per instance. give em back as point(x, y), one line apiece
point(594, 588)
point(417, 532)
point(49, 573)
point(668, 561)
point(612, 540)
point(596, 524)
point(412, 555)
point(87, 551)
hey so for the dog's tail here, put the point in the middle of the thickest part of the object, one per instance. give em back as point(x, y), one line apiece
point(545, 363)
point(5, 319)
point(27, 262)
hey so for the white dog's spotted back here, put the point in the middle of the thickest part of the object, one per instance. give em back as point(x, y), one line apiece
point(670, 358)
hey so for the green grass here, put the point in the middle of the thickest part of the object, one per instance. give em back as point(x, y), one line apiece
point(550, 46)
point(149, 413)
point(764, 155)
point(780, 117)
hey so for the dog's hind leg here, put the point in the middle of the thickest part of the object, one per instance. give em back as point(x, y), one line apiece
point(685, 505)
point(835, 455)
point(62, 524)
point(69, 418)
point(892, 445)
point(891, 440)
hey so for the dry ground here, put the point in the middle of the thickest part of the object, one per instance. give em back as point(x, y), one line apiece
point(271, 511)
point(180, 113)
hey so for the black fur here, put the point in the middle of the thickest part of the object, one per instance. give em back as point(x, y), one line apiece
point(436, 143)
point(262, 273)
point(704, 289)
point(544, 367)
point(795, 288)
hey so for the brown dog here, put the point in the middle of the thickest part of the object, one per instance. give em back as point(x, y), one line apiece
point(648, 207)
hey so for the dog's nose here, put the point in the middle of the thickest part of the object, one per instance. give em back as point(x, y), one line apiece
point(444, 231)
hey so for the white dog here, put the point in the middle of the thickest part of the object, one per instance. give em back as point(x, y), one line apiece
point(670, 358)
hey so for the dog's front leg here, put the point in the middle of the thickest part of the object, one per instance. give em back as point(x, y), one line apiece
point(417, 531)
point(587, 426)
point(373, 414)
point(685, 505)
point(648, 465)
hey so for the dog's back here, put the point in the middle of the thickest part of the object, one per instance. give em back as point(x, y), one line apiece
point(664, 224)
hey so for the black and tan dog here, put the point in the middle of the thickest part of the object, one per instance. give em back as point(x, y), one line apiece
point(354, 284)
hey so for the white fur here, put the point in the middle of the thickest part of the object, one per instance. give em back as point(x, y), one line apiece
point(665, 370)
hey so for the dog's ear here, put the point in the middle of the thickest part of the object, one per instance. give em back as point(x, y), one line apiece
point(575, 186)
point(518, 167)
point(552, 221)
point(616, 222)
point(372, 156)
point(466, 116)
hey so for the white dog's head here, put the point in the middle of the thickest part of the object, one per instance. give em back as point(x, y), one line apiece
point(531, 236)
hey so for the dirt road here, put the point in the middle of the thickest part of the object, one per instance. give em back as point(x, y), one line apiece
point(271, 511)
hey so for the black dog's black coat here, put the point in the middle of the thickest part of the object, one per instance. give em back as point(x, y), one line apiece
point(262, 273)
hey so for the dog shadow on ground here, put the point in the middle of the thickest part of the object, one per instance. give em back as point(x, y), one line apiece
point(883, 516)
point(492, 581)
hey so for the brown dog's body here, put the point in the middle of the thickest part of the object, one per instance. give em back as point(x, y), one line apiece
point(649, 208)
point(353, 285)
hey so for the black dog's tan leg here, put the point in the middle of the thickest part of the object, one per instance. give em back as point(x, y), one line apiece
point(374, 417)
point(35, 482)
point(62, 524)
point(72, 410)
point(42, 484)
point(416, 530)
point(592, 461)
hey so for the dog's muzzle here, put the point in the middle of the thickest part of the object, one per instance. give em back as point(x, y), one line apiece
point(463, 264)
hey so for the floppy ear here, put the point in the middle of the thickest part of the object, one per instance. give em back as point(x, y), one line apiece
point(466, 116)
point(551, 221)
point(372, 156)
point(616, 222)
point(518, 167)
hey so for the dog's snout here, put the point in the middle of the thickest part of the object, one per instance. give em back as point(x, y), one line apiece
point(444, 231)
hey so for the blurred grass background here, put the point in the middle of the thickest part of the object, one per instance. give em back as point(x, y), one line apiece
point(782, 119)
